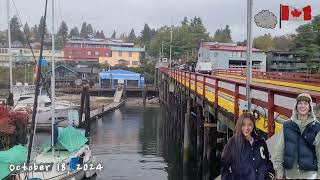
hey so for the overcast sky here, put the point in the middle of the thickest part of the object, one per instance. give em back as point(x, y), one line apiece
point(122, 15)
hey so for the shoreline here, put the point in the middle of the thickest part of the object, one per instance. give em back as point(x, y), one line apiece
point(97, 102)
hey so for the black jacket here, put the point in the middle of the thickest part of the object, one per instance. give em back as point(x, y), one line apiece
point(255, 163)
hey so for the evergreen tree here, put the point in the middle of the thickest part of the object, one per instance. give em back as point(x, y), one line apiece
point(223, 35)
point(132, 36)
point(40, 27)
point(90, 32)
point(16, 33)
point(34, 32)
point(63, 31)
point(185, 40)
point(102, 35)
point(74, 32)
point(185, 21)
point(83, 32)
point(307, 44)
point(114, 35)
point(227, 32)
point(96, 34)
point(123, 37)
point(26, 30)
point(146, 34)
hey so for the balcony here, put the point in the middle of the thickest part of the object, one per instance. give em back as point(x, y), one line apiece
point(284, 59)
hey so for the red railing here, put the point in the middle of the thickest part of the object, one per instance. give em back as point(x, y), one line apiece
point(213, 83)
point(311, 79)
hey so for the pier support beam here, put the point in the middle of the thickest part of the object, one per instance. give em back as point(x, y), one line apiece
point(186, 141)
point(144, 94)
point(210, 165)
point(199, 123)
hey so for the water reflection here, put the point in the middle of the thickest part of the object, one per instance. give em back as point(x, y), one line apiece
point(132, 143)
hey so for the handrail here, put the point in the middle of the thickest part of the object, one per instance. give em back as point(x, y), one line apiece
point(208, 81)
point(313, 79)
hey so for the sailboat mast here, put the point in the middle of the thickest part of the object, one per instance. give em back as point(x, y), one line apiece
point(35, 104)
point(53, 95)
point(9, 44)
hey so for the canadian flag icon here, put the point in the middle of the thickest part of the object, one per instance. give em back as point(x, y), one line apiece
point(289, 13)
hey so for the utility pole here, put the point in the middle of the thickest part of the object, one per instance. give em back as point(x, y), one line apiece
point(53, 92)
point(9, 43)
point(249, 52)
point(161, 50)
point(170, 45)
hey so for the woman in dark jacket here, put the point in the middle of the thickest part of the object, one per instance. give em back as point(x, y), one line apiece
point(246, 155)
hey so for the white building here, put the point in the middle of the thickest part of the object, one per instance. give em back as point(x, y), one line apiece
point(213, 56)
point(25, 55)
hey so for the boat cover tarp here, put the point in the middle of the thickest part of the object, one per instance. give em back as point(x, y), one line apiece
point(17, 155)
point(71, 138)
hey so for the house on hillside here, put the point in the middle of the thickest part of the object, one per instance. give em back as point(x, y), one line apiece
point(66, 76)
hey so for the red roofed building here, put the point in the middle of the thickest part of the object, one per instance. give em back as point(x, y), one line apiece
point(213, 56)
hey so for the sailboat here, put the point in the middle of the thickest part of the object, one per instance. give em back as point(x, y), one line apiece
point(67, 152)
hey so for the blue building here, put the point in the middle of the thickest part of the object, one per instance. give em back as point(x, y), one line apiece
point(112, 78)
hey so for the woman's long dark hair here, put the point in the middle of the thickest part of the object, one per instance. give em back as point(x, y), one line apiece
point(236, 143)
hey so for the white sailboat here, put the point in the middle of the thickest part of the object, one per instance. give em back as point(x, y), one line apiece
point(67, 152)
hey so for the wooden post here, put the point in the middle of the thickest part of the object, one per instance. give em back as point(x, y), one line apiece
point(87, 114)
point(199, 143)
point(186, 141)
point(144, 96)
point(236, 103)
point(83, 95)
point(210, 145)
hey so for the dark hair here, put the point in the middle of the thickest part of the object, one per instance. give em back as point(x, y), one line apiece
point(235, 145)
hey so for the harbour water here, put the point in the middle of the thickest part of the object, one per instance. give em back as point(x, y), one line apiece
point(129, 144)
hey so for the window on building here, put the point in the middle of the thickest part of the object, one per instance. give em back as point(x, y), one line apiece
point(89, 53)
point(135, 63)
point(84, 76)
point(124, 62)
point(130, 54)
point(96, 53)
point(26, 51)
point(243, 54)
point(120, 53)
point(106, 53)
point(3, 51)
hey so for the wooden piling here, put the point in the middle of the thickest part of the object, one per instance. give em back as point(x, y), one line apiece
point(186, 141)
point(83, 93)
point(144, 96)
point(210, 166)
point(199, 121)
point(87, 114)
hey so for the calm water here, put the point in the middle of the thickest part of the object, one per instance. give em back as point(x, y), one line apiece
point(129, 143)
point(132, 144)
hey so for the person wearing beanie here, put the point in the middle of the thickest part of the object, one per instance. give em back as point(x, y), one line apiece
point(298, 148)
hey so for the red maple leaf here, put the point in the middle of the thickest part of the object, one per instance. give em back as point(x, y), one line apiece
point(296, 13)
